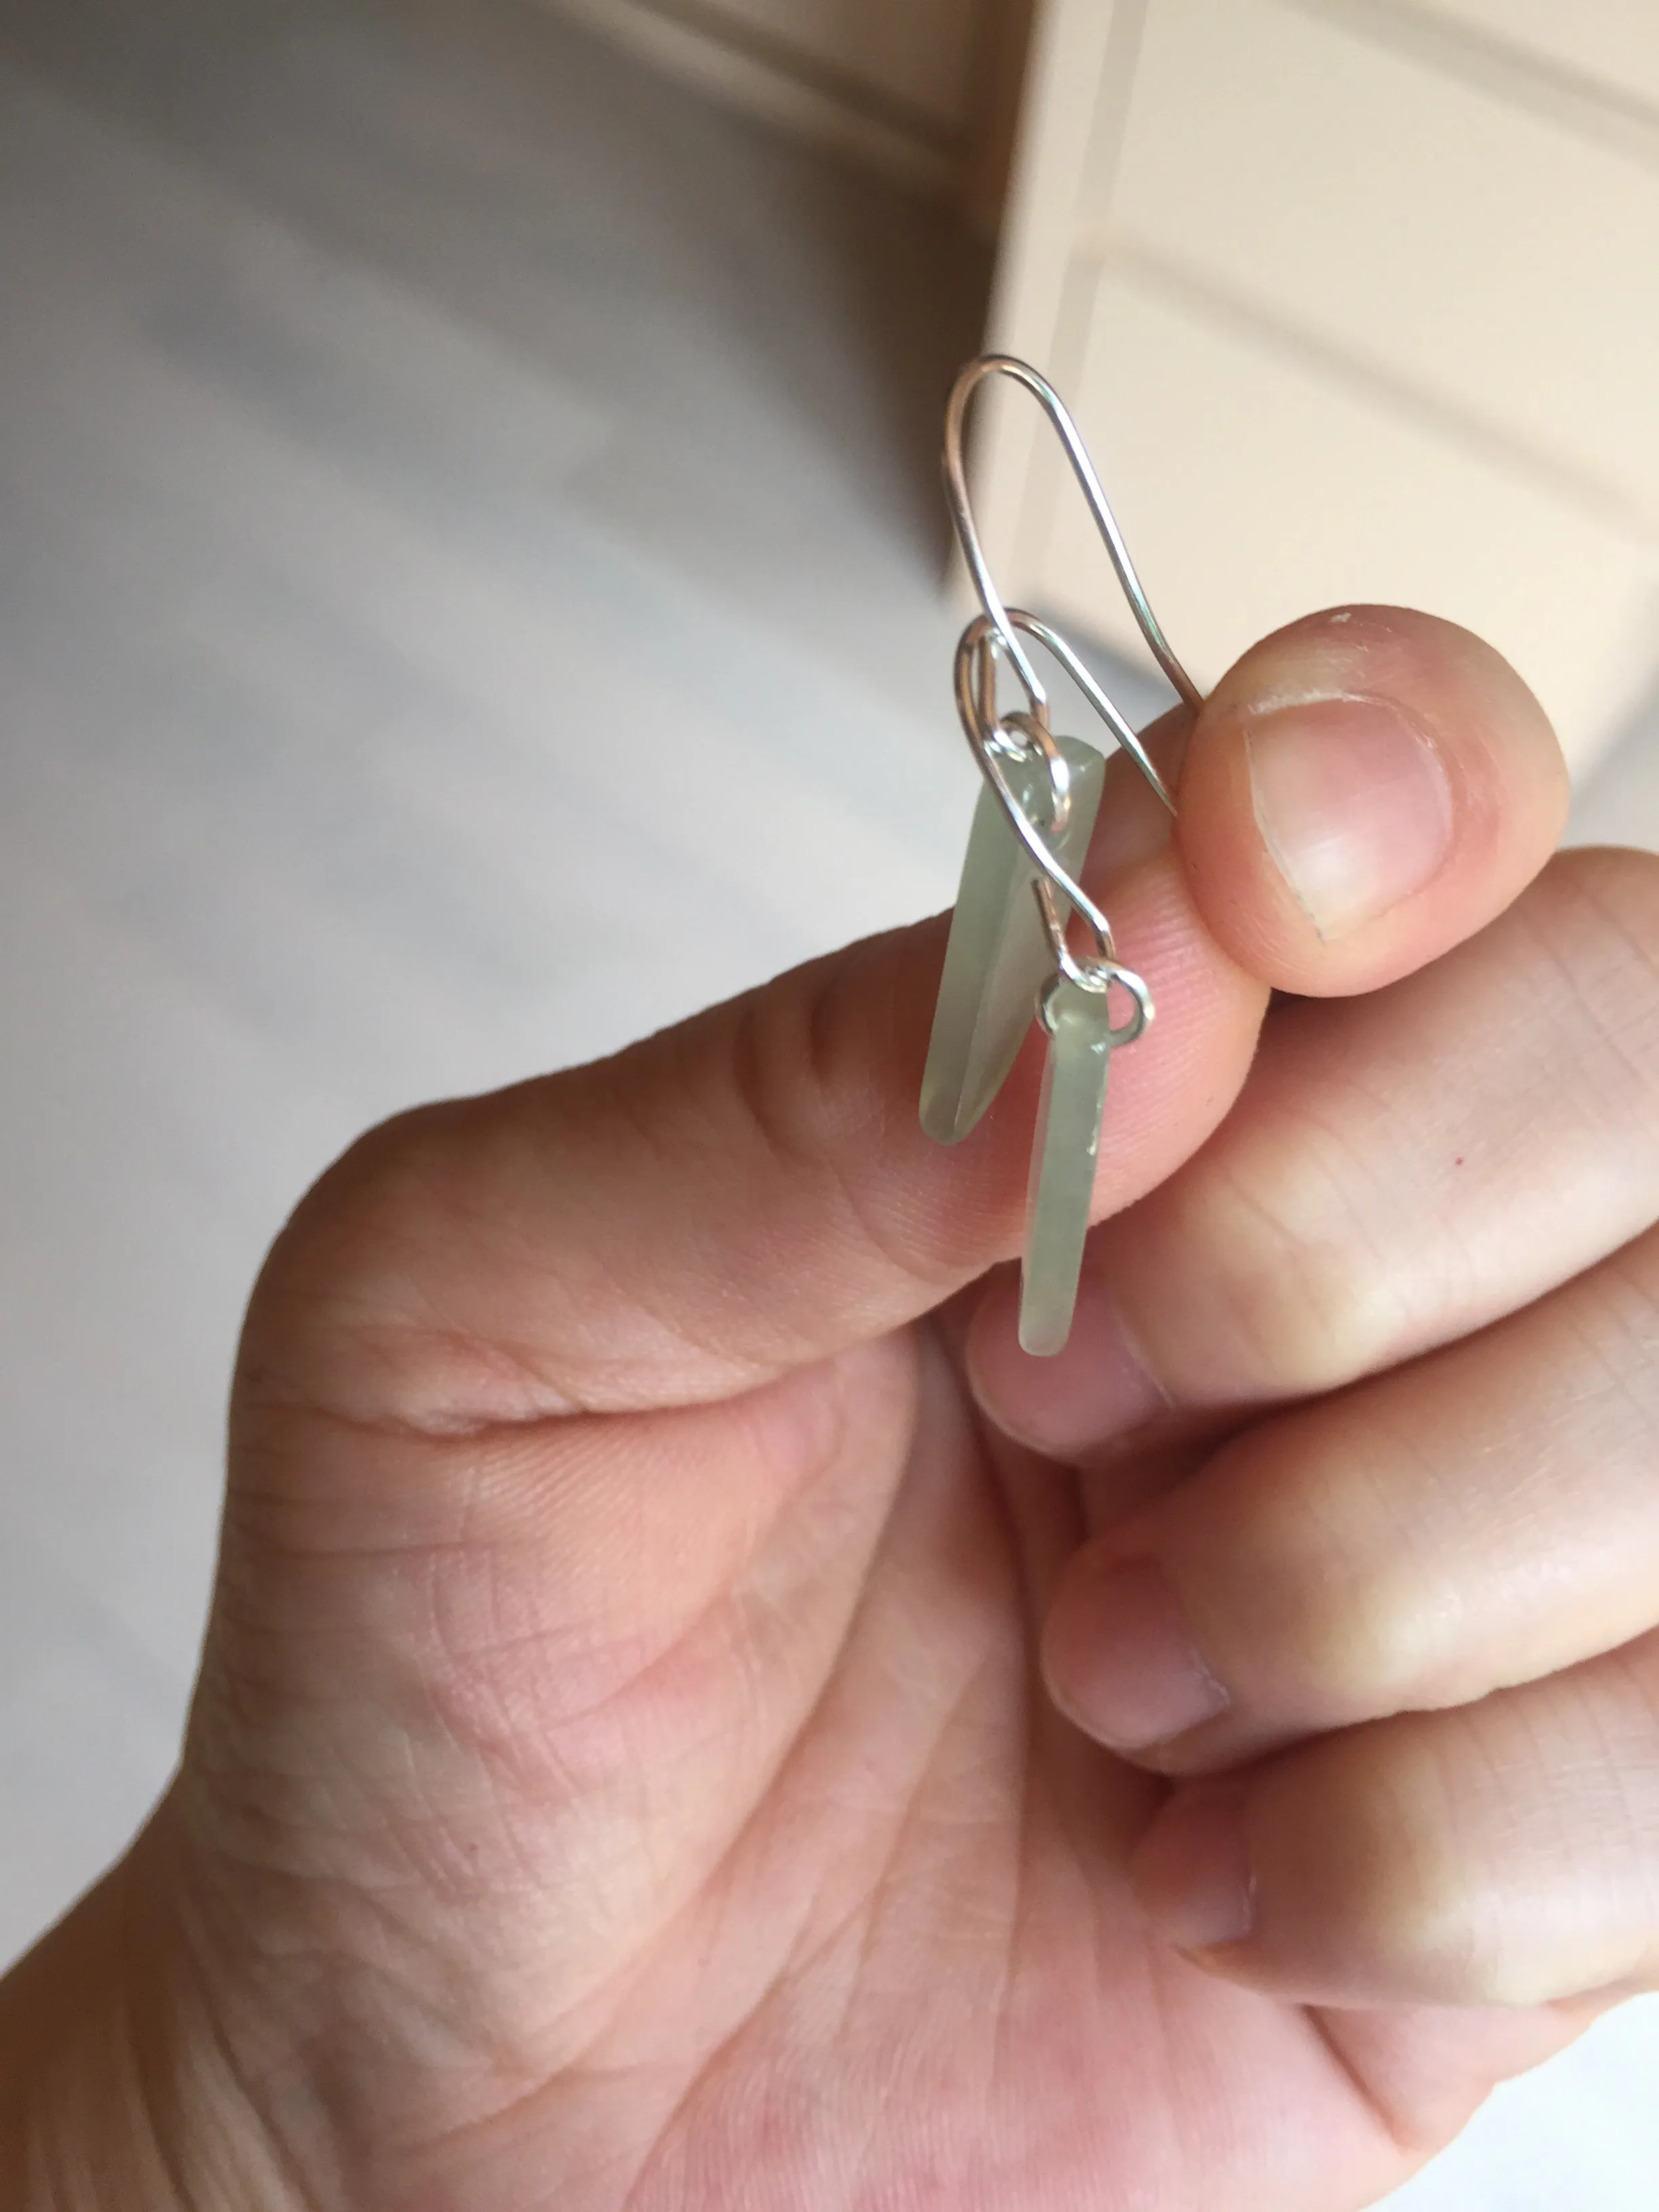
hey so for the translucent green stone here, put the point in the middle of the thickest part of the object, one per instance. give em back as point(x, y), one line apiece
point(998, 957)
point(1063, 1158)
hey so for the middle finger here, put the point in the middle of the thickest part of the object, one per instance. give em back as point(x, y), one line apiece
point(1400, 1169)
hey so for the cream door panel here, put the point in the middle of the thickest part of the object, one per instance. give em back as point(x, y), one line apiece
point(1613, 44)
point(1491, 262)
point(1254, 488)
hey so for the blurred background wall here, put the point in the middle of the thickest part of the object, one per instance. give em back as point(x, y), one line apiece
point(1354, 299)
point(472, 589)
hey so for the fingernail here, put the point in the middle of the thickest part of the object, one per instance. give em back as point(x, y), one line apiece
point(1352, 803)
point(1192, 1875)
point(1094, 1390)
point(1124, 1666)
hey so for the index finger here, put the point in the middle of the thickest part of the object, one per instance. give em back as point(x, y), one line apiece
point(753, 1191)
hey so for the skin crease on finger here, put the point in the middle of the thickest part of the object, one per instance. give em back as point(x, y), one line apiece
point(620, 1775)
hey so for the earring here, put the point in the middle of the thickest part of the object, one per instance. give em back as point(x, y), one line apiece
point(1010, 958)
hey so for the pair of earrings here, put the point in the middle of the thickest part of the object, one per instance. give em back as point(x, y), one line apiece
point(1011, 958)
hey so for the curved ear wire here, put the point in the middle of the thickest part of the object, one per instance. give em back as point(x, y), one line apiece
point(1086, 684)
point(962, 515)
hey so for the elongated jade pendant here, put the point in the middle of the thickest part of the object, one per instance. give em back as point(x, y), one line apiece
point(1069, 1116)
point(998, 957)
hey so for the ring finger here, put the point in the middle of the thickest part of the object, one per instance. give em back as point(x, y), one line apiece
point(1506, 1853)
point(1482, 1519)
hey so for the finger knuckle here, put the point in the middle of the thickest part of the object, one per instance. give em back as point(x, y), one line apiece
point(1407, 1880)
point(1459, 1888)
point(1301, 1288)
point(1432, 1930)
point(1359, 1626)
point(1598, 912)
point(818, 1121)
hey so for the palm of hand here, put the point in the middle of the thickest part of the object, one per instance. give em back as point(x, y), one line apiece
point(732, 1851)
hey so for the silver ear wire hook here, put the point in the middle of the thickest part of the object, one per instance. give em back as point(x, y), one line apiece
point(1002, 619)
point(1085, 683)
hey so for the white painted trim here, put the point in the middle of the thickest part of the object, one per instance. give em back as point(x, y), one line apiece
point(749, 82)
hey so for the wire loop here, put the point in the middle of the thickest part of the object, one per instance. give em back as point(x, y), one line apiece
point(1119, 1033)
point(1103, 969)
point(1039, 740)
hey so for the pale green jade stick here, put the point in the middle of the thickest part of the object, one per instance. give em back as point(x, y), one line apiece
point(999, 957)
point(1069, 1116)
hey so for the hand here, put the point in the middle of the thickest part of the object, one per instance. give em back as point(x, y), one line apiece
point(624, 1771)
